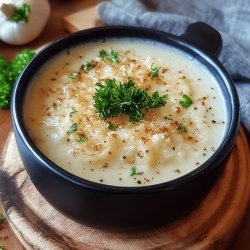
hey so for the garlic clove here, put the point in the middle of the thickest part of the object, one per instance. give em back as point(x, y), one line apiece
point(22, 32)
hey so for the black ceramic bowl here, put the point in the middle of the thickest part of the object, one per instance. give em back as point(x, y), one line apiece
point(127, 207)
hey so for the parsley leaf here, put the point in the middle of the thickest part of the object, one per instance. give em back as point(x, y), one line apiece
point(112, 56)
point(72, 112)
point(88, 66)
point(9, 72)
point(186, 101)
point(154, 71)
point(72, 129)
point(182, 128)
point(21, 14)
point(82, 139)
point(113, 99)
point(111, 126)
point(74, 75)
point(20, 61)
point(2, 247)
point(133, 171)
point(1, 218)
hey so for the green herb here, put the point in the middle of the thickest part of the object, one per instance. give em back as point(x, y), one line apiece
point(9, 72)
point(154, 71)
point(82, 139)
point(1, 217)
point(182, 128)
point(112, 56)
point(21, 14)
point(186, 101)
point(112, 99)
point(2, 247)
point(72, 129)
point(72, 112)
point(74, 75)
point(133, 171)
point(88, 66)
point(111, 126)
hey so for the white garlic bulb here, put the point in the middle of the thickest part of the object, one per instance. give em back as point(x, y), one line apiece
point(23, 31)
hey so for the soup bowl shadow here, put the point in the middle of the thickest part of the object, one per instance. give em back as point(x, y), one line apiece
point(117, 207)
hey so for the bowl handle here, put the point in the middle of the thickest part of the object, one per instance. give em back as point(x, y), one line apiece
point(204, 37)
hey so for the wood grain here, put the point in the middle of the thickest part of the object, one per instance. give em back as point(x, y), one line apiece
point(54, 30)
point(78, 21)
point(210, 226)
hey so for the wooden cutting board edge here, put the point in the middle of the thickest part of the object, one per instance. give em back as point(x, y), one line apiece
point(232, 228)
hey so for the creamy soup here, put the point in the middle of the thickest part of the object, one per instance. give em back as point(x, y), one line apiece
point(165, 143)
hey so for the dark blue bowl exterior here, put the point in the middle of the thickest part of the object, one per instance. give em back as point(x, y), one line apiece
point(121, 207)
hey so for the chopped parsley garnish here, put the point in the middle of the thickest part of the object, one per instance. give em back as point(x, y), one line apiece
point(1, 218)
point(115, 98)
point(112, 56)
point(9, 72)
point(74, 75)
point(82, 139)
point(182, 128)
point(21, 14)
point(2, 247)
point(154, 71)
point(111, 126)
point(186, 101)
point(133, 171)
point(72, 112)
point(72, 129)
point(88, 66)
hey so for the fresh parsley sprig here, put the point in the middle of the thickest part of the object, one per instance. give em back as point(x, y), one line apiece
point(9, 72)
point(182, 128)
point(21, 14)
point(112, 56)
point(186, 101)
point(82, 139)
point(115, 98)
point(154, 71)
point(72, 112)
point(111, 126)
point(72, 129)
point(133, 171)
point(87, 66)
point(73, 75)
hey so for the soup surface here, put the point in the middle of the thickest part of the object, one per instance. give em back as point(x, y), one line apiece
point(161, 143)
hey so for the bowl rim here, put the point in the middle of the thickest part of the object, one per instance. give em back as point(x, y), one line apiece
point(211, 163)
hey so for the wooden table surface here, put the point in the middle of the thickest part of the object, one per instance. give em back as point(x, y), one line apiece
point(55, 30)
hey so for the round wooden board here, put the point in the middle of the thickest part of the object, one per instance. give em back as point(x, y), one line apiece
point(210, 226)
